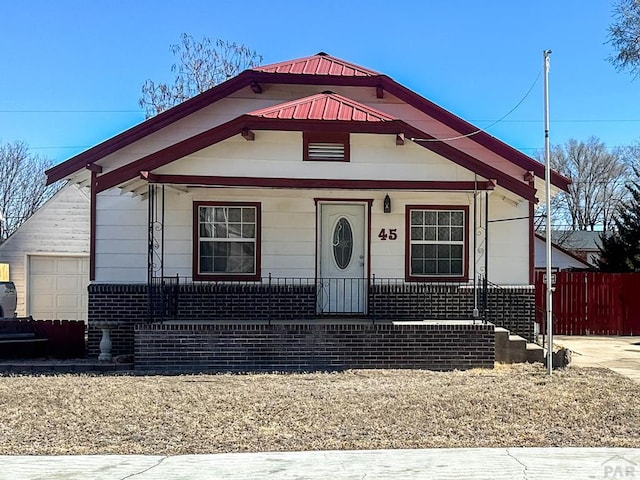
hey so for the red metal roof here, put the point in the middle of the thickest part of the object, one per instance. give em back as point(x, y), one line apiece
point(323, 106)
point(318, 70)
point(318, 64)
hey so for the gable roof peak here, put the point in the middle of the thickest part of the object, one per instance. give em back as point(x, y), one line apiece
point(319, 64)
point(323, 106)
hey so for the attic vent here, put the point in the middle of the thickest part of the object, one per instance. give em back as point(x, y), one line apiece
point(332, 147)
point(326, 151)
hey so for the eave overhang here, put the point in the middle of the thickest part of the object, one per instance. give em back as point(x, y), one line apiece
point(249, 77)
point(315, 183)
point(236, 126)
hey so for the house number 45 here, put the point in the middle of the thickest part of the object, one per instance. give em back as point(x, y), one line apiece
point(391, 234)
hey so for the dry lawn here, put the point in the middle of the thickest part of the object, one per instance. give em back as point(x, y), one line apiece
point(364, 409)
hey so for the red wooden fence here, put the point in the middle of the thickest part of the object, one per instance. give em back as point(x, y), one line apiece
point(591, 303)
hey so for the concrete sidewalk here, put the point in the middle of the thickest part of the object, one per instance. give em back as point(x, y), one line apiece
point(474, 463)
point(617, 353)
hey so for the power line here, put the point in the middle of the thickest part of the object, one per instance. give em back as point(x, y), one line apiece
point(71, 111)
point(488, 126)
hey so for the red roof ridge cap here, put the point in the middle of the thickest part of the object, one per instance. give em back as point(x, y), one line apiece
point(325, 68)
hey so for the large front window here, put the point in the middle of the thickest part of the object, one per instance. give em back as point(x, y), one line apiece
point(227, 240)
point(436, 242)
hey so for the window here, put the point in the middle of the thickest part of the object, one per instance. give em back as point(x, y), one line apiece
point(331, 147)
point(227, 240)
point(436, 243)
point(342, 243)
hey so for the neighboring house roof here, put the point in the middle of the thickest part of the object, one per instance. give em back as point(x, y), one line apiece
point(561, 257)
point(320, 69)
point(582, 244)
point(583, 240)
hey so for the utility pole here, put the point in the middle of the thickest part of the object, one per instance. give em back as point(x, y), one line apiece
point(547, 180)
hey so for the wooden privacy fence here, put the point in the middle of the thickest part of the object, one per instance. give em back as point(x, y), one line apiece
point(591, 303)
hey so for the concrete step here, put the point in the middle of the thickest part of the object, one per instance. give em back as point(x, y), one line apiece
point(510, 348)
point(535, 353)
point(502, 338)
point(517, 349)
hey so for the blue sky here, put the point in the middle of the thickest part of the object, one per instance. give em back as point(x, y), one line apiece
point(72, 70)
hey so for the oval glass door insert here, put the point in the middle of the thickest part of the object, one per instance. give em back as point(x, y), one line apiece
point(342, 243)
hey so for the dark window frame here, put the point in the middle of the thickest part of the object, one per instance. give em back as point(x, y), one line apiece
point(196, 242)
point(464, 277)
point(325, 137)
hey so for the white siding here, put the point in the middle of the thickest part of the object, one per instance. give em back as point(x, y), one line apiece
point(60, 227)
point(508, 241)
point(121, 238)
point(288, 216)
point(289, 233)
point(279, 154)
point(244, 101)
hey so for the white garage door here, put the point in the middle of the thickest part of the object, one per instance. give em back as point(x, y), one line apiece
point(58, 287)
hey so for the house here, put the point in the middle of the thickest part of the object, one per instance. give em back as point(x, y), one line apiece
point(561, 258)
point(48, 258)
point(583, 244)
point(316, 194)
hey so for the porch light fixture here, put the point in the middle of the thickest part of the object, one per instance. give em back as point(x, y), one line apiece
point(387, 204)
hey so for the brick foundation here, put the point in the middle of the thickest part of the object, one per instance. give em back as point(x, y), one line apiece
point(212, 347)
point(509, 307)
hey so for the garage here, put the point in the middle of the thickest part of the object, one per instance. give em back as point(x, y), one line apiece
point(57, 287)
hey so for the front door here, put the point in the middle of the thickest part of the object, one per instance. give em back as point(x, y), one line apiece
point(342, 258)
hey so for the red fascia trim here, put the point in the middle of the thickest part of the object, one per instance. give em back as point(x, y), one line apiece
point(245, 78)
point(227, 130)
point(169, 154)
point(393, 127)
point(190, 106)
point(407, 243)
point(148, 127)
point(196, 243)
point(465, 128)
point(312, 183)
point(234, 127)
point(532, 263)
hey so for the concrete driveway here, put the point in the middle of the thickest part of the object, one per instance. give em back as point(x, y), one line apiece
point(620, 354)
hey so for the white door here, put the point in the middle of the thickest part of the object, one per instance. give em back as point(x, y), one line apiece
point(342, 259)
point(58, 287)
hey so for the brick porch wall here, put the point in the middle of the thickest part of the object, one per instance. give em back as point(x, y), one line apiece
point(109, 302)
point(509, 307)
point(184, 348)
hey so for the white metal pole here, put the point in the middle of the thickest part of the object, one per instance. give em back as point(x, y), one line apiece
point(547, 180)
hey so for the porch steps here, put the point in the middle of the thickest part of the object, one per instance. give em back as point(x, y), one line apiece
point(515, 349)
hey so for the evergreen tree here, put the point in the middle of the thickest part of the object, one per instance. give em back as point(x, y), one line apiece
point(620, 251)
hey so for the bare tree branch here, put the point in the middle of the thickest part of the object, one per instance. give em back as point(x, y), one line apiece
point(22, 186)
point(598, 183)
point(200, 66)
point(624, 36)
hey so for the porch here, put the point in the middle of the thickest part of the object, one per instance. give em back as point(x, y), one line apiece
point(328, 345)
point(178, 324)
point(276, 299)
